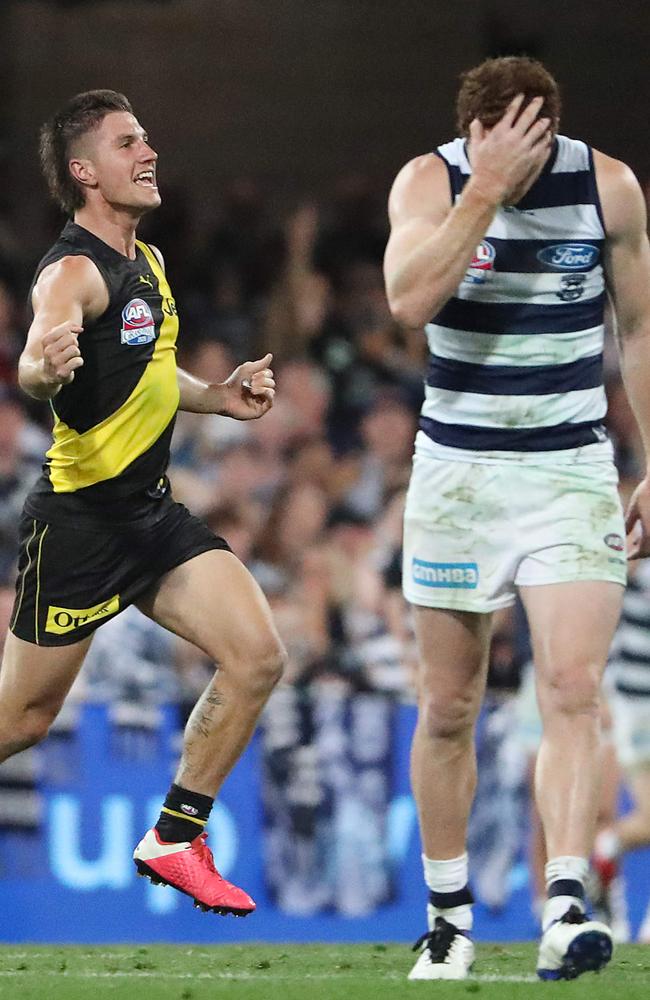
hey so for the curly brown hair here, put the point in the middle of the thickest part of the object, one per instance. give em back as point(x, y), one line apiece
point(487, 90)
point(81, 114)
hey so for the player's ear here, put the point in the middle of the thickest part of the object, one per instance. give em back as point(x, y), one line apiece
point(83, 172)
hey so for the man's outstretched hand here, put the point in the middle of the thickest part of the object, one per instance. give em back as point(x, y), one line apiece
point(249, 391)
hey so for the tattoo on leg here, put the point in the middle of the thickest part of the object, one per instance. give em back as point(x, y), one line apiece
point(200, 727)
point(202, 718)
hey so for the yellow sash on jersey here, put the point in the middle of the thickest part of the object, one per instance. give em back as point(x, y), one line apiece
point(104, 451)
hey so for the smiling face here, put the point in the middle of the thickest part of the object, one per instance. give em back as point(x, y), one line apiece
point(115, 164)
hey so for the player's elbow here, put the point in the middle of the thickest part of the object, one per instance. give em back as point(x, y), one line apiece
point(25, 375)
point(408, 311)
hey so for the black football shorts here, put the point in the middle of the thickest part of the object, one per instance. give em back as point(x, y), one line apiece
point(74, 577)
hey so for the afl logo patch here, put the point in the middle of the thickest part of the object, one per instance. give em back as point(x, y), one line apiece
point(481, 263)
point(138, 325)
point(614, 542)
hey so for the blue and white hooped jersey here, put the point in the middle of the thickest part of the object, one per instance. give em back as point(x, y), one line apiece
point(630, 654)
point(516, 355)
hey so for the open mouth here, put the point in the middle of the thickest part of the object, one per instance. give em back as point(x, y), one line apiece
point(145, 179)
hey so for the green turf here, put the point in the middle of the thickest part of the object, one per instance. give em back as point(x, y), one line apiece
point(292, 972)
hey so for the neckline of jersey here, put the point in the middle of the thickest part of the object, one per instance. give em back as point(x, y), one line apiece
point(72, 225)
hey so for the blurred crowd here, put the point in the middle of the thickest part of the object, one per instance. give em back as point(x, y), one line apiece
point(310, 497)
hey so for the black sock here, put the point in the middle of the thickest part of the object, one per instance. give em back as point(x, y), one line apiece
point(184, 815)
point(450, 900)
point(566, 887)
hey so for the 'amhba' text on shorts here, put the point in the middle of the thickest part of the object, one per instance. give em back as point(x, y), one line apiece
point(473, 532)
point(74, 577)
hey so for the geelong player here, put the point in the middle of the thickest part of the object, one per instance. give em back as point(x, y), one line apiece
point(505, 243)
point(100, 528)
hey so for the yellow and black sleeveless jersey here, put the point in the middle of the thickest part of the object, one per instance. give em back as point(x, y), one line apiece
point(113, 423)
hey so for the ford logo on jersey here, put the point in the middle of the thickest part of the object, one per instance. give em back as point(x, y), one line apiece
point(138, 325)
point(570, 256)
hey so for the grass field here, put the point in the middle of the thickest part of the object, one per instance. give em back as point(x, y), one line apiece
point(292, 972)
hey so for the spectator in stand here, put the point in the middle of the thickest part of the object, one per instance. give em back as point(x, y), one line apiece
point(226, 315)
point(382, 463)
point(21, 448)
point(10, 338)
point(246, 240)
point(630, 707)
point(301, 296)
point(356, 230)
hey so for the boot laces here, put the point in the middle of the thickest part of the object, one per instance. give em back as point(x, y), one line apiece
point(573, 915)
point(439, 940)
point(203, 852)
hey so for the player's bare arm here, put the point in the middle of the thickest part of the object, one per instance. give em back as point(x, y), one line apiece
point(627, 265)
point(247, 394)
point(431, 244)
point(67, 293)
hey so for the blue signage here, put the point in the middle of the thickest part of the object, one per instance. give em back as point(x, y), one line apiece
point(73, 880)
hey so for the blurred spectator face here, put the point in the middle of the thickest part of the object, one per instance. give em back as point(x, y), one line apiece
point(12, 422)
point(313, 463)
point(227, 290)
point(363, 297)
point(273, 434)
point(352, 537)
point(388, 528)
point(212, 361)
point(304, 516)
point(306, 389)
point(244, 202)
point(237, 530)
point(239, 471)
point(7, 309)
point(389, 431)
point(7, 595)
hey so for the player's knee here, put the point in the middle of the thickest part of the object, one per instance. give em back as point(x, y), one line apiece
point(19, 734)
point(266, 664)
point(571, 690)
point(451, 718)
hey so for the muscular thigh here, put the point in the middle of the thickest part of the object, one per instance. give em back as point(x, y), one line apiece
point(213, 601)
point(572, 625)
point(453, 649)
point(37, 677)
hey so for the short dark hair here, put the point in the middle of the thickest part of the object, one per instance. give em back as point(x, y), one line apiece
point(487, 90)
point(79, 115)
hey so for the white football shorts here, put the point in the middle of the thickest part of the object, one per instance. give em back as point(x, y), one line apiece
point(473, 532)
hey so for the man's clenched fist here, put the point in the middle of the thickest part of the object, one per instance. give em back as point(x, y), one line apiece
point(61, 354)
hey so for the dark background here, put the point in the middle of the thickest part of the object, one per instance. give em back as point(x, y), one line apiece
point(280, 124)
point(298, 92)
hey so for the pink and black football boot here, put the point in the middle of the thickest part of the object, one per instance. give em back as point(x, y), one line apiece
point(189, 867)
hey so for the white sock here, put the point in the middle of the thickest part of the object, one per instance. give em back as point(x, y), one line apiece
point(450, 875)
point(608, 845)
point(567, 867)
